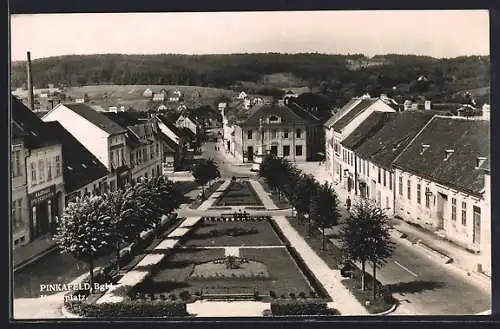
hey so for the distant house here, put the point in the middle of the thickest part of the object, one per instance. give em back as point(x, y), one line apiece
point(162, 107)
point(182, 108)
point(83, 99)
point(44, 95)
point(97, 108)
point(175, 96)
point(158, 97)
point(242, 95)
point(257, 101)
point(163, 91)
point(147, 93)
point(185, 121)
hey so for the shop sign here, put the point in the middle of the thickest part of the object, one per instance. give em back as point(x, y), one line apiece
point(42, 195)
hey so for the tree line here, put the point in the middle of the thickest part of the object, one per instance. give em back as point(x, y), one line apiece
point(329, 73)
point(95, 226)
point(365, 233)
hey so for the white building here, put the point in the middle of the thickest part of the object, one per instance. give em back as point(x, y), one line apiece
point(242, 95)
point(185, 121)
point(103, 137)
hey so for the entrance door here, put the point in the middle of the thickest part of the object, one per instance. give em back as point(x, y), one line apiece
point(476, 228)
point(442, 200)
point(274, 150)
point(250, 153)
point(379, 199)
point(42, 219)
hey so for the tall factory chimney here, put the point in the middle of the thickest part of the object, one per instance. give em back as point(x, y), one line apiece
point(31, 97)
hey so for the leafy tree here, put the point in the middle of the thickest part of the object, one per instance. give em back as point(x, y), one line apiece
point(84, 231)
point(324, 209)
point(149, 203)
point(365, 237)
point(124, 224)
point(205, 171)
point(304, 189)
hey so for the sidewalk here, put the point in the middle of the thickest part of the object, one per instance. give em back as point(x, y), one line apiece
point(25, 255)
point(343, 300)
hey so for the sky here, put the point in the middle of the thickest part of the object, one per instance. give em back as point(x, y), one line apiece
point(444, 33)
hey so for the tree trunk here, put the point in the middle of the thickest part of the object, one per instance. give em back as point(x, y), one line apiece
point(374, 280)
point(323, 238)
point(363, 275)
point(118, 256)
point(91, 267)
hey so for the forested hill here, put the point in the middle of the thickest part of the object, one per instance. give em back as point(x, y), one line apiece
point(329, 72)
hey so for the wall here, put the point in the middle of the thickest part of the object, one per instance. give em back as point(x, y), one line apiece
point(20, 211)
point(118, 147)
point(486, 225)
point(92, 137)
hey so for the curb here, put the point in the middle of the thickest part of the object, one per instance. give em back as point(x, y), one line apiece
point(444, 258)
point(390, 310)
point(67, 314)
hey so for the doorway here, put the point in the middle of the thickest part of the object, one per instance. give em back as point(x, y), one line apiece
point(442, 201)
point(274, 150)
point(250, 153)
point(476, 226)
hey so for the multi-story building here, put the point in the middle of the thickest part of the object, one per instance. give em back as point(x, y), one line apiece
point(283, 130)
point(343, 123)
point(103, 137)
point(83, 173)
point(440, 183)
point(185, 121)
point(40, 156)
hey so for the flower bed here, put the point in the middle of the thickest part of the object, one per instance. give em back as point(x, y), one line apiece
point(238, 194)
point(299, 307)
point(208, 192)
point(129, 308)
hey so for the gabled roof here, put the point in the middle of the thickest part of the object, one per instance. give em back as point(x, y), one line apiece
point(369, 127)
point(391, 139)
point(353, 113)
point(341, 112)
point(80, 166)
point(469, 139)
point(96, 118)
point(124, 119)
point(288, 116)
point(30, 127)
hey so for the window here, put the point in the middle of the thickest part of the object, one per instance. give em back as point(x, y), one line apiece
point(419, 196)
point(352, 159)
point(112, 158)
point(336, 148)
point(298, 150)
point(464, 213)
point(249, 134)
point(274, 134)
point(16, 164)
point(157, 149)
point(298, 133)
point(273, 118)
point(285, 133)
point(364, 167)
point(379, 175)
point(409, 189)
point(152, 152)
point(390, 181)
point(476, 237)
point(58, 166)
point(368, 169)
point(286, 150)
point(453, 209)
point(385, 178)
point(33, 174)
point(400, 185)
point(427, 196)
point(49, 169)
point(41, 170)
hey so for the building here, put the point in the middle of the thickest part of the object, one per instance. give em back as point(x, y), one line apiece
point(369, 151)
point(242, 95)
point(103, 137)
point(175, 96)
point(83, 173)
point(158, 97)
point(186, 121)
point(145, 150)
point(283, 130)
point(343, 123)
point(147, 93)
point(174, 148)
point(37, 165)
point(486, 215)
point(440, 183)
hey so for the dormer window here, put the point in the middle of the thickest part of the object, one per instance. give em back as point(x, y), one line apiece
point(480, 161)
point(447, 154)
point(424, 147)
point(84, 165)
point(273, 118)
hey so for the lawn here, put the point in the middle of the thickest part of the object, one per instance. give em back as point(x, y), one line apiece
point(242, 233)
point(208, 192)
point(280, 203)
point(174, 275)
point(239, 193)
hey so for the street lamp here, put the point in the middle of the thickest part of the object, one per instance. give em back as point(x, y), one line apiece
point(306, 217)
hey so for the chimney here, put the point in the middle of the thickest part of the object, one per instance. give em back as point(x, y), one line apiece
point(31, 97)
point(427, 105)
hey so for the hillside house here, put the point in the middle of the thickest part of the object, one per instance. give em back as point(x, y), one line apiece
point(158, 97)
point(242, 95)
point(148, 93)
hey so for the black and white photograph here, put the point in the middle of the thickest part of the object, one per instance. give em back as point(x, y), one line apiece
point(259, 164)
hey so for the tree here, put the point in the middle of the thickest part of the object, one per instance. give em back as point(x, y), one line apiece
point(365, 237)
point(121, 207)
point(149, 203)
point(306, 187)
point(324, 209)
point(84, 231)
point(204, 172)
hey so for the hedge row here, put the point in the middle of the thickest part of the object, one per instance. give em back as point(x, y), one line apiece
point(299, 307)
point(128, 308)
point(315, 283)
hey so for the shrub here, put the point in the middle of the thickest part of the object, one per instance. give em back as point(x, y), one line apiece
point(298, 307)
point(162, 297)
point(172, 297)
point(127, 309)
point(283, 296)
point(272, 294)
point(313, 294)
point(256, 295)
point(266, 313)
point(185, 295)
point(197, 294)
point(302, 295)
point(292, 295)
